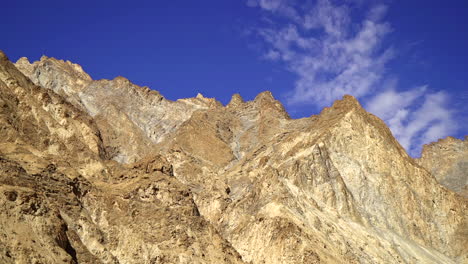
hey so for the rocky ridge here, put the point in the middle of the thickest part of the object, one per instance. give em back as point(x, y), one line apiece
point(128, 115)
point(447, 160)
point(64, 201)
point(208, 183)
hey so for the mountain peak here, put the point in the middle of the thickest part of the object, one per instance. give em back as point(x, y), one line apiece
point(3, 56)
point(264, 96)
point(446, 160)
point(223, 178)
point(23, 60)
point(266, 102)
point(348, 102)
point(121, 79)
point(236, 100)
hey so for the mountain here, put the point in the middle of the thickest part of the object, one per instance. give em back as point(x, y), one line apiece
point(106, 171)
point(447, 160)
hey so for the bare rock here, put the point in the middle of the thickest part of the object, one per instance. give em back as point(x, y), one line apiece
point(447, 160)
point(62, 201)
point(110, 172)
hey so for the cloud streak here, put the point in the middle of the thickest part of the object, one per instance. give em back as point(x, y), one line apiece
point(321, 47)
point(332, 53)
point(415, 116)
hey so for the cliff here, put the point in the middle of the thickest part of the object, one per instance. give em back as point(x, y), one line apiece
point(105, 171)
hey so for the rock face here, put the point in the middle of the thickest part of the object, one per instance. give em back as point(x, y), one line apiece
point(447, 160)
point(130, 117)
point(109, 172)
point(63, 201)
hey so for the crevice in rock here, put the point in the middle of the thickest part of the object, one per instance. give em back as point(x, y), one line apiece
point(63, 241)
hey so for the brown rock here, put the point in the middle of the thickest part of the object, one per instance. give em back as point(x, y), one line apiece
point(192, 181)
point(447, 160)
point(61, 201)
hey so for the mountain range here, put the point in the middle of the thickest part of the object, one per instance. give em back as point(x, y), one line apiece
point(106, 171)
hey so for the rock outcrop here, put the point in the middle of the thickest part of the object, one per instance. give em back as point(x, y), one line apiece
point(334, 188)
point(131, 118)
point(110, 172)
point(63, 201)
point(447, 160)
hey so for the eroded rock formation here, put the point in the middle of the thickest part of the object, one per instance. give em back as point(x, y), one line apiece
point(109, 172)
point(63, 200)
point(447, 160)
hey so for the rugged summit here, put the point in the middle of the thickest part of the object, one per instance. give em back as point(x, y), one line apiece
point(130, 117)
point(110, 172)
point(63, 200)
point(447, 160)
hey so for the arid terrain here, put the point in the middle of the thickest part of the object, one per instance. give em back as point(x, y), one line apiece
point(105, 171)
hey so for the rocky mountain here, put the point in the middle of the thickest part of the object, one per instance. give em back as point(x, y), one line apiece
point(105, 171)
point(447, 160)
point(63, 200)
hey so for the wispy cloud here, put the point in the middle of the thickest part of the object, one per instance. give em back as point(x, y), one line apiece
point(330, 55)
point(282, 7)
point(333, 53)
point(415, 116)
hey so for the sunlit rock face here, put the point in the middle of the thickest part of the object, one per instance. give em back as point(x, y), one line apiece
point(64, 200)
point(447, 160)
point(131, 118)
point(109, 172)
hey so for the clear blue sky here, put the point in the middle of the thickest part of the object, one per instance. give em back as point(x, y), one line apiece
point(223, 47)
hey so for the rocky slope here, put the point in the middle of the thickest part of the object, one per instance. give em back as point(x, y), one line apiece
point(129, 117)
point(64, 201)
point(107, 171)
point(447, 160)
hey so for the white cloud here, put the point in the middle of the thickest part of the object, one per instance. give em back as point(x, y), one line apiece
point(377, 13)
point(334, 54)
point(416, 117)
point(281, 7)
point(332, 19)
point(322, 50)
point(271, 5)
point(272, 55)
point(386, 104)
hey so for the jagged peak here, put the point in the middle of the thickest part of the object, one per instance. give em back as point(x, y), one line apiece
point(443, 142)
point(451, 139)
point(210, 102)
point(25, 66)
point(266, 102)
point(348, 109)
point(236, 100)
point(121, 82)
point(23, 60)
point(348, 101)
point(3, 56)
point(59, 66)
point(343, 105)
point(68, 68)
point(264, 96)
point(121, 79)
point(202, 101)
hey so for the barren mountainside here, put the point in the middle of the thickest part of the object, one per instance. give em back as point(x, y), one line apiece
point(106, 171)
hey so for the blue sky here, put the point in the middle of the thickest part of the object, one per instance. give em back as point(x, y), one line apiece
point(406, 61)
